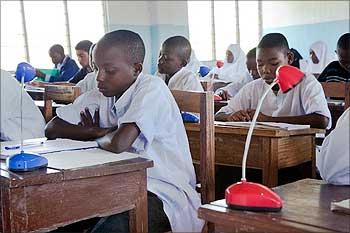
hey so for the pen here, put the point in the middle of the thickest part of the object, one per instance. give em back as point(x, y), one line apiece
point(26, 145)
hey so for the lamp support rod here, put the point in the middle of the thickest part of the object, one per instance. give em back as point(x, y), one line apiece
point(251, 128)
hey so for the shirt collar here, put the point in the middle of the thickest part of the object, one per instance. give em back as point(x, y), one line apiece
point(59, 65)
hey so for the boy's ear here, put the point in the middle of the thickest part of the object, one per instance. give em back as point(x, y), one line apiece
point(184, 63)
point(290, 57)
point(137, 68)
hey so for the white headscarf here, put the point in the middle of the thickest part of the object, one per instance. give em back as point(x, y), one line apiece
point(237, 70)
point(194, 64)
point(320, 49)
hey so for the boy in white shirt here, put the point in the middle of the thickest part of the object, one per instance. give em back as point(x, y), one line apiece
point(136, 113)
point(304, 104)
point(33, 120)
point(174, 56)
point(333, 161)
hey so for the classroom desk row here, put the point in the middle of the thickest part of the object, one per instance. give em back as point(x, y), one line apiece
point(306, 208)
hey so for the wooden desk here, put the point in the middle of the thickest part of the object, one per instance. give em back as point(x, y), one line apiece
point(270, 149)
point(306, 208)
point(36, 94)
point(50, 198)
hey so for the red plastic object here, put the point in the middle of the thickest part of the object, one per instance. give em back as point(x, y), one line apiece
point(219, 64)
point(288, 77)
point(217, 98)
point(251, 196)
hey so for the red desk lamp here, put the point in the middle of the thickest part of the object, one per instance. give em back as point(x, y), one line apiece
point(251, 196)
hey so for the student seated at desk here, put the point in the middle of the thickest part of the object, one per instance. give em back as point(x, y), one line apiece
point(233, 88)
point(136, 113)
point(333, 161)
point(174, 56)
point(304, 104)
point(319, 58)
point(33, 120)
point(89, 82)
point(66, 65)
point(82, 50)
point(339, 71)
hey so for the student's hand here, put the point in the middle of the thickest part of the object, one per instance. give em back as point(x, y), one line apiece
point(40, 74)
point(87, 120)
point(261, 117)
point(38, 83)
point(223, 94)
point(215, 76)
point(241, 115)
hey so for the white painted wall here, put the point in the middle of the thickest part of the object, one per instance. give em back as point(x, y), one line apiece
point(288, 13)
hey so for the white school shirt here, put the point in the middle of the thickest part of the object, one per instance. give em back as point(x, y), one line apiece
point(305, 98)
point(333, 161)
point(184, 80)
point(233, 88)
point(150, 104)
point(88, 83)
point(10, 125)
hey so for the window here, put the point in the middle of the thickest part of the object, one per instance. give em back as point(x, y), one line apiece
point(232, 24)
point(28, 32)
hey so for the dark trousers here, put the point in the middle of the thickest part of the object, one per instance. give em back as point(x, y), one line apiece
point(157, 219)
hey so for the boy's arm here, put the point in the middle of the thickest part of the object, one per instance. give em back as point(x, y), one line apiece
point(314, 120)
point(121, 139)
point(58, 128)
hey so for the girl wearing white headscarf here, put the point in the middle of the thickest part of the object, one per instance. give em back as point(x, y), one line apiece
point(234, 69)
point(319, 57)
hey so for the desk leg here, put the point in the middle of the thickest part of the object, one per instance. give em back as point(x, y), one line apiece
point(139, 215)
point(270, 162)
point(313, 157)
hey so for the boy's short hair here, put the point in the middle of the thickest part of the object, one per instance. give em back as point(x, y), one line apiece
point(181, 45)
point(252, 53)
point(130, 43)
point(57, 48)
point(84, 45)
point(344, 41)
point(274, 40)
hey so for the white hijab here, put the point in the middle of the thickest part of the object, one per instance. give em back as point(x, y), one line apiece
point(320, 48)
point(237, 70)
point(194, 64)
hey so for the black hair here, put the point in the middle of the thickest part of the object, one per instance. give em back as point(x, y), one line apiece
point(344, 41)
point(57, 48)
point(84, 45)
point(297, 58)
point(129, 42)
point(274, 40)
point(252, 53)
point(181, 45)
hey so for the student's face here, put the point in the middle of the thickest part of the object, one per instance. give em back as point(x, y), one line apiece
point(56, 58)
point(169, 62)
point(114, 73)
point(252, 67)
point(344, 58)
point(313, 57)
point(83, 57)
point(229, 56)
point(269, 59)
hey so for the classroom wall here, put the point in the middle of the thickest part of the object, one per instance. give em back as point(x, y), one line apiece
point(153, 20)
point(304, 22)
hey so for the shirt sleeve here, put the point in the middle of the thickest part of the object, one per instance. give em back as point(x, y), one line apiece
point(238, 102)
point(144, 111)
point(313, 98)
point(67, 71)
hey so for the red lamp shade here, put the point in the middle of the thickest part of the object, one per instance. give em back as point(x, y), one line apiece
point(288, 77)
point(252, 197)
point(219, 64)
point(217, 98)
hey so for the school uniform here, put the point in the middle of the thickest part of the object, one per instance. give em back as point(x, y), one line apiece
point(320, 48)
point(10, 125)
point(334, 72)
point(233, 88)
point(333, 161)
point(305, 98)
point(80, 75)
point(150, 104)
point(88, 83)
point(184, 80)
point(67, 69)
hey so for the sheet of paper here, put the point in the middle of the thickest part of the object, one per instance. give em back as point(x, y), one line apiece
point(85, 158)
point(49, 146)
point(266, 125)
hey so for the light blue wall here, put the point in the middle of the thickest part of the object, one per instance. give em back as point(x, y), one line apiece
point(302, 36)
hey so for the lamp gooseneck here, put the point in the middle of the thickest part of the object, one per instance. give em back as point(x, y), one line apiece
point(251, 128)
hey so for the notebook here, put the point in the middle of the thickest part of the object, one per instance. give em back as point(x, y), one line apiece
point(264, 125)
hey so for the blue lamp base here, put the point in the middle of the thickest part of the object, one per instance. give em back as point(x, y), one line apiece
point(23, 162)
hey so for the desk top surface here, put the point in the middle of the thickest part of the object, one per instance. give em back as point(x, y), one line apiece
point(226, 129)
point(305, 202)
